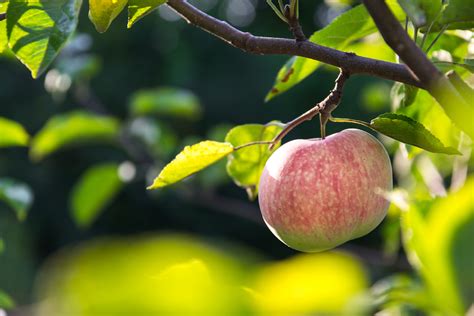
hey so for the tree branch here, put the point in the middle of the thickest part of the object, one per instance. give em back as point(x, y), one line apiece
point(3, 16)
point(280, 46)
point(430, 77)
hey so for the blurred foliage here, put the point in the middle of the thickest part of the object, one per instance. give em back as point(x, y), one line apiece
point(13, 134)
point(97, 187)
point(161, 86)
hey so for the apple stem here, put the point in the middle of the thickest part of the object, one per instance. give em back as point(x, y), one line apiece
point(324, 108)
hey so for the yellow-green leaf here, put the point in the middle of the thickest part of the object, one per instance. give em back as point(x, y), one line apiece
point(6, 301)
point(246, 164)
point(72, 128)
point(166, 101)
point(94, 190)
point(103, 12)
point(3, 27)
point(191, 160)
point(12, 134)
point(37, 30)
point(137, 9)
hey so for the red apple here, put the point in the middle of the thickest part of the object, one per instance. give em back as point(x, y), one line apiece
point(317, 194)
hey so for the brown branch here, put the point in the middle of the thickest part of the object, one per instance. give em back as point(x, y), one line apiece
point(325, 107)
point(430, 77)
point(3, 16)
point(280, 46)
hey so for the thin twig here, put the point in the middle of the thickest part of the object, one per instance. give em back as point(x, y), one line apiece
point(281, 46)
point(3, 16)
point(445, 27)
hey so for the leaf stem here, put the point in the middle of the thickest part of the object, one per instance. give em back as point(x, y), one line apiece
point(260, 142)
point(348, 120)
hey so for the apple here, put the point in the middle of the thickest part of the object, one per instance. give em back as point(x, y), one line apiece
point(316, 194)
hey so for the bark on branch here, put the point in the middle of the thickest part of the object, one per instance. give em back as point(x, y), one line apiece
point(431, 78)
point(281, 46)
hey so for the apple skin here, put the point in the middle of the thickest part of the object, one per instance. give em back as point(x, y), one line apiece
point(317, 194)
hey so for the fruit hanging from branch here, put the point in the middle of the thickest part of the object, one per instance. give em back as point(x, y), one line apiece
point(317, 194)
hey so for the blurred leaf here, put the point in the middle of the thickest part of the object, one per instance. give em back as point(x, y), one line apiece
point(37, 30)
point(6, 301)
point(400, 290)
point(409, 131)
point(376, 97)
point(12, 134)
point(444, 259)
point(103, 12)
point(137, 9)
point(17, 195)
point(2, 246)
point(402, 95)
point(310, 284)
point(191, 160)
point(350, 26)
point(246, 164)
point(94, 190)
point(72, 128)
point(164, 275)
point(415, 10)
point(156, 136)
point(79, 66)
point(3, 27)
point(167, 102)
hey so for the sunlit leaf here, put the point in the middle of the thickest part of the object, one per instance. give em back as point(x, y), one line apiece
point(93, 192)
point(409, 131)
point(343, 30)
point(310, 284)
point(166, 102)
point(3, 27)
point(37, 30)
point(17, 195)
point(137, 9)
point(444, 259)
point(162, 275)
point(190, 160)
point(72, 128)
point(246, 164)
point(12, 134)
point(6, 301)
point(103, 12)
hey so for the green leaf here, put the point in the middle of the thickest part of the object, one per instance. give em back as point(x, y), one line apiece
point(409, 131)
point(72, 128)
point(167, 102)
point(17, 195)
point(12, 134)
point(246, 164)
point(37, 30)
point(94, 190)
point(350, 26)
point(137, 9)
point(415, 9)
point(191, 160)
point(103, 12)
point(402, 95)
point(444, 259)
point(6, 301)
point(3, 27)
